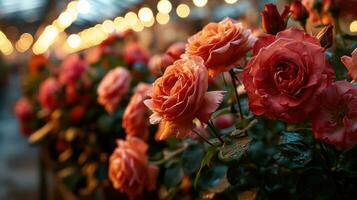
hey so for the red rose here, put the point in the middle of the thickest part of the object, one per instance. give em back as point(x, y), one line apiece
point(129, 170)
point(48, 94)
point(286, 74)
point(23, 109)
point(272, 21)
point(351, 64)
point(335, 118)
point(135, 117)
point(72, 69)
point(37, 63)
point(133, 53)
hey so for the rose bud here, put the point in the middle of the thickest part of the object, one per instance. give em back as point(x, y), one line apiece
point(326, 36)
point(133, 53)
point(72, 69)
point(272, 21)
point(113, 87)
point(334, 118)
point(351, 64)
point(299, 12)
point(129, 170)
point(224, 121)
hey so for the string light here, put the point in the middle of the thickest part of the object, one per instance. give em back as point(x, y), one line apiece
point(83, 7)
point(131, 18)
point(145, 14)
point(5, 45)
point(231, 1)
point(353, 26)
point(200, 3)
point(74, 41)
point(24, 42)
point(183, 10)
point(162, 18)
point(120, 24)
point(108, 26)
point(164, 6)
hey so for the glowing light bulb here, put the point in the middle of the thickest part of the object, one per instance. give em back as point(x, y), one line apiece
point(162, 18)
point(353, 26)
point(83, 7)
point(74, 41)
point(231, 1)
point(145, 14)
point(200, 3)
point(108, 26)
point(183, 10)
point(65, 19)
point(138, 27)
point(131, 18)
point(164, 6)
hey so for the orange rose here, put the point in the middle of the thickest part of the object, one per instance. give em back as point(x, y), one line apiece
point(129, 170)
point(221, 45)
point(113, 87)
point(180, 96)
point(135, 121)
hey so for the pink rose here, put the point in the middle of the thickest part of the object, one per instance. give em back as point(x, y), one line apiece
point(72, 69)
point(180, 96)
point(221, 45)
point(133, 53)
point(351, 64)
point(335, 117)
point(129, 170)
point(49, 94)
point(113, 87)
point(23, 109)
point(135, 118)
point(286, 74)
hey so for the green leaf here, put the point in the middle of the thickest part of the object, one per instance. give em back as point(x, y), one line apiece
point(214, 179)
point(233, 150)
point(191, 158)
point(348, 162)
point(205, 162)
point(294, 151)
point(173, 174)
point(315, 184)
point(259, 152)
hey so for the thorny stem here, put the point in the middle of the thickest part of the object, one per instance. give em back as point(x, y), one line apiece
point(236, 93)
point(203, 138)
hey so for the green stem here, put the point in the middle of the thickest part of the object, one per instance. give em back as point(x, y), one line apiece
point(236, 93)
point(211, 126)
point(203, 138)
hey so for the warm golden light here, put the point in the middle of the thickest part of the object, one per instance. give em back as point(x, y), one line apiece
point(120, 24)
point(200, 3)
point(65, 19)
point(74, 41)
point(231, 1)
point(24, 43)
point(162, 18)
point(131, 18)
point(353, 26)
point(108, 26)
point(183, 10)
point(149, 23)
point(145, 14)
point(164, 6)
point(138, 27)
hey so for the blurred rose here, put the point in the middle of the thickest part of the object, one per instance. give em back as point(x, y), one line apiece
point(298, 11)
point(133, 53)
point(48, 94)
point(335, 118)
point(317, 11)
point(129, 170)
point(286, 74)
point(155, 65)
point(37, 63)
point(176, 50)
point(224, 121)
point(23, 109)
point(351, 64)
point(221, 45)
point(135, 118)
point(72, 69)
point(77, 113)
point(113, 87)
point(272, 21)
point(180, 96)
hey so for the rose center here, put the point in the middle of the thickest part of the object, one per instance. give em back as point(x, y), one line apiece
point(285, 76)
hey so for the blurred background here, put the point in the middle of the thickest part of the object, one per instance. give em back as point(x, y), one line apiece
point(58, 28)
